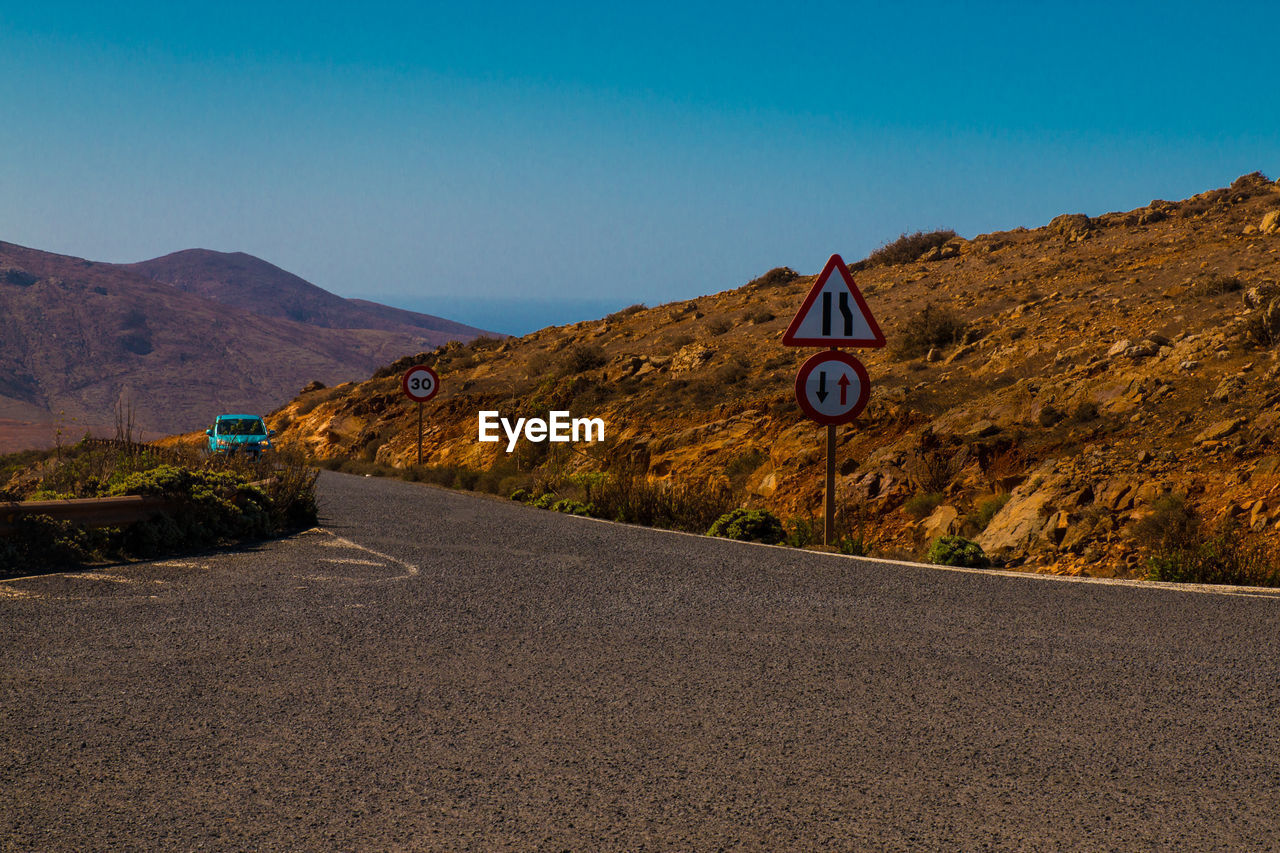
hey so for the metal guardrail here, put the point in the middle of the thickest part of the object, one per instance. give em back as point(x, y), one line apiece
point(87, 512)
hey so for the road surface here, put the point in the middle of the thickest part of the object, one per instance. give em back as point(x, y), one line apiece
point(431, 670)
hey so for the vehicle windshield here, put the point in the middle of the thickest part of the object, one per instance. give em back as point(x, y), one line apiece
point(241, 426)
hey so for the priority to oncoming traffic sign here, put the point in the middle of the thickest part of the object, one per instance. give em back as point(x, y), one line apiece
point(832, 387)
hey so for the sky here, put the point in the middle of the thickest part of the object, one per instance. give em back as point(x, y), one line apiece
point(516, 165)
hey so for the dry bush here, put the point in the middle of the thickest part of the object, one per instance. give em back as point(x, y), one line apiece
point(776, 277)
point(934, 463)
point(626, 312)
point(908, 248)
point(582, 357)
point(933, 326)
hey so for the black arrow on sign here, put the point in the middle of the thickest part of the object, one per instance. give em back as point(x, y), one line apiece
point(822, 386)
point(847, 313)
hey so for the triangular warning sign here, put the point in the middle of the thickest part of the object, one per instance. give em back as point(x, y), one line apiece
point(834, 314)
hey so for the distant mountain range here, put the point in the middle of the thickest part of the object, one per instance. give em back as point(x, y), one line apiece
point(178, 339)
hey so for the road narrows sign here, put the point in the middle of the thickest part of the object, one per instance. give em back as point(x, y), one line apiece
point(832, 387)
point(834, 314)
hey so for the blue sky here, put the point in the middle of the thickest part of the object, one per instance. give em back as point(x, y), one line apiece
point(515, 165)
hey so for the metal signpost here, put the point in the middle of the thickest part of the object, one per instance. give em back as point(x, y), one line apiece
point(832, 387)
point(420, 384)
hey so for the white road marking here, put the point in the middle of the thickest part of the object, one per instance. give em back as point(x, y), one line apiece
point(337, 541)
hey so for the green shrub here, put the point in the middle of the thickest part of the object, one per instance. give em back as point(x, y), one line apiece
point(920, 506)
point(802, 532)
point(853, 546)
point(572, 507)
point(545, 500)
point(977, 521)
point(521, 495)
point(956, 551)
point(226, 501)
point(1228, 558)
point(626, 494)
point(749, 525)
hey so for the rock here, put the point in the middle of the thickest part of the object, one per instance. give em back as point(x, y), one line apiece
point(1189, 365)
point(1270, 222)
point(691, 357)
point(942, 522)
point(867, 486)
point(933, 355)
point(1075, 537)
point(1143, 349)
point(1220, 430)
point(1072, 226)
point(313, 385)
point(1267, 466)
point(1118, 348)
point(1022, 521)
point(960, 353)
point(1227, 389)
point(982, 429)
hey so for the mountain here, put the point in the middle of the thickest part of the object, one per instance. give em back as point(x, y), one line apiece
point(1059, 393)
point(253, 285)
point(81, 339)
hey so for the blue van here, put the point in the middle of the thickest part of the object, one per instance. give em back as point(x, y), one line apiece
point(239, 434)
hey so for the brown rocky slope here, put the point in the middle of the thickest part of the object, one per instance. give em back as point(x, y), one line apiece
point(1077, 372)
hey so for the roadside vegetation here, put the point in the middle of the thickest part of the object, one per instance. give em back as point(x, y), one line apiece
point(1183, 549)
point(625, 494)
point(216, 502)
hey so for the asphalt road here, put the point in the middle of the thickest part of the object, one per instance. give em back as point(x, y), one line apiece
point(436, 671)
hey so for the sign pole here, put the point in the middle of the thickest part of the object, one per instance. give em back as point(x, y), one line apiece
point(420, 384)
point(829, 500)
point(833, 387)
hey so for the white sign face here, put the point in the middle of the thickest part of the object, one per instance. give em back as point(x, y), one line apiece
point(832, 387)
point(420, 384)
point(834, 314)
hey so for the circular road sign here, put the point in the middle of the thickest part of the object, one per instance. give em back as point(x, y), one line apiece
point(832, 387)
point(420, 383)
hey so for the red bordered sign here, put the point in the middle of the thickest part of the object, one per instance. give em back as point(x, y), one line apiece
point(832, 387)
point(420, 383)
point(833, 313)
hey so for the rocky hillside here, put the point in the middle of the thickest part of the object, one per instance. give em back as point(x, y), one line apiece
point(1041, 388)
point(79, 339)
point(251, 284)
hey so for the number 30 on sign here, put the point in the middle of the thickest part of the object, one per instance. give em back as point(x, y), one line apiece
point(420, 383)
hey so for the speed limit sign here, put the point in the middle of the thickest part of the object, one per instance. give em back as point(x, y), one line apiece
point(420, 383)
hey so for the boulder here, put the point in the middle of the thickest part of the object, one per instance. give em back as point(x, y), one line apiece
point(944, 521)
point(1022, 521)
point(1220, 430)
point(690, 358)
point(1270, 222)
